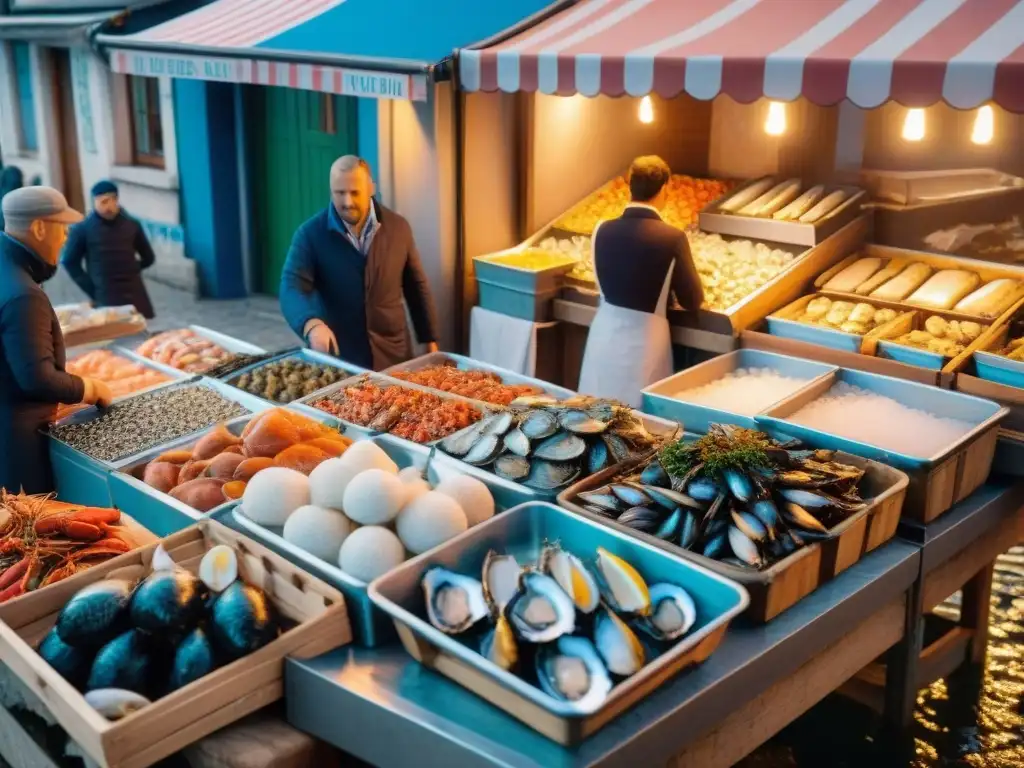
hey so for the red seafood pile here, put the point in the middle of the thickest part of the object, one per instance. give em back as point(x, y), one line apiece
point(417, 416)
point(474, 383)
point(183, 350)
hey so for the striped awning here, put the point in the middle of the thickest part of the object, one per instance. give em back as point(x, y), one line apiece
point(373, 48)
point(916, 52)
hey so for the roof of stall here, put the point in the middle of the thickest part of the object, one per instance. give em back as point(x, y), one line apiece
point(375, 48)
point(916, 52)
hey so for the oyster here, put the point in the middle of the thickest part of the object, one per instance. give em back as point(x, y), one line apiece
point(563, 446)
point(571, 670)
point(454, 602)
point(572, 576)
point(621, 586)
point(672, 614)
point(549, 475)
point(618, 646)
point(540, 611)
point(484, 451)
point(500, 580)
point(499, 645)
point(511, 467)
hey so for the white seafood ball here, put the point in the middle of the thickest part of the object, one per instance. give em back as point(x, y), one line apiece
point(327, 483)
point(374, 497)
point(471, 494)
point(369, 552)
point(429, 520)
point(366, 454)
point(415, 483)
point(317, 530)
point(273, 494)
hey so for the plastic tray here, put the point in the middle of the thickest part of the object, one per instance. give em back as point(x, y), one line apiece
point(491, 270)
point(370, 625)
point(230, 343)
point(999, 368)
point(904, 353)
point(469, 364)
point(660, 399)
point(522, 532)
point(787, 581)
point(306, 355)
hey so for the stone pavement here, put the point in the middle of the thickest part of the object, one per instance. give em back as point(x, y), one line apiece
point(256, 319)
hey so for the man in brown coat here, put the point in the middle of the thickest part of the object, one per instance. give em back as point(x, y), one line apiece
point(350, 272)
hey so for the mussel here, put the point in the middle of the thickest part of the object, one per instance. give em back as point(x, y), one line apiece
point(622, 652)
point(96, 614)
point(654, 474)
point(703, 489)
point(71, 662)
point(193, 659)
point(498, 424)
point(666, 498)
point(743, 547)
point(621, 585)
point(540, 611)
point(629, 495)
point(454, 602)
point(168, 603)
point(571, 670)
point(672, 614)
point(598, 458)
point(572, 576)
point(603, 499)
point(643, 519)
point(242, 620)
point(125, 662)
point(671, 526)
point(739, 484)
point(801, 518)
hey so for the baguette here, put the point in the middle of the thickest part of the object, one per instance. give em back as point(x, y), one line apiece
point(783, 198)
point(751, 209)
point(823, 208)
point(992, 299)
point(903, 284)
point(746, 195)
point(855, 274)
point(893, 268)
point(945, 288)
point(801, 205)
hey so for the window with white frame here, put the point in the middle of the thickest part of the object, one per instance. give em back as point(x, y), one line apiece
point(21, 58)
point(144, 114)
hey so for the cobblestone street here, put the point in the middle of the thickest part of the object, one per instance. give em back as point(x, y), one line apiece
point(256, 319)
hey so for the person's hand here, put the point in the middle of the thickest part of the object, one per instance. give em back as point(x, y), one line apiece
point(431, 347)
point(97, 393)
point(321, 338)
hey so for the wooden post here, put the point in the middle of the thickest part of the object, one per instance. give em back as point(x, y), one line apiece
point(974, 612)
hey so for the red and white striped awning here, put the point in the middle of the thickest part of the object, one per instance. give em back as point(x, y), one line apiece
point(916, 52)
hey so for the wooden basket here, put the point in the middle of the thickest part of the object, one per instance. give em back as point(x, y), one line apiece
point(204, 706)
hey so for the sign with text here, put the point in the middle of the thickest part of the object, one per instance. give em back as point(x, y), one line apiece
point(311, 77)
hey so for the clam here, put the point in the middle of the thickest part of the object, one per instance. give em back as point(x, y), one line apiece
point(511, 467)
point(563, 446)
point(654, 474)
point(517, 442)
point(115, 703)
point(454, 602)
point(630, 494)
point(499, 645)
point(572, 576)
point(581, 423)
point(621, 586)
point(540, 611)
point(571, 670)
point(549, 475)
point(484, 451)
point(500, 580)
point(539, 424)
point(498, 424)
point(672, 614)
point(644, 519)
point(460, 443)
point(618, 646)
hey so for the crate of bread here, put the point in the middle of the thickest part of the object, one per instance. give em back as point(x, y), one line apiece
point(784, 210)
point(846, 325)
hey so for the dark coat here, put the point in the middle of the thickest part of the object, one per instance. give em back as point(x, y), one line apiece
point(32, 376)
point(360, 298)
point(632, 255)
point(100, 257)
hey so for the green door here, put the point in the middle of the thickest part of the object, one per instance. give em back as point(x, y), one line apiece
point(298, 135)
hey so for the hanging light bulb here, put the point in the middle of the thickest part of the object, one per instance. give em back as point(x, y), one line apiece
point(646, 110)
point(913, 125)
point(984, 125)
point(775, 125)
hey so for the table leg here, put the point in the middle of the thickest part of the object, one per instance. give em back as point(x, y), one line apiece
point(974, 612)
point(901, 666)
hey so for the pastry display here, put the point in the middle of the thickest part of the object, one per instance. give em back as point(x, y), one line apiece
point(846, 316)
point(944, 337)
point(945, 288)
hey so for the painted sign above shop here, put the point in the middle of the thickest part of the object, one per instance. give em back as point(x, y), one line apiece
point(74, 5)
point(310, 77)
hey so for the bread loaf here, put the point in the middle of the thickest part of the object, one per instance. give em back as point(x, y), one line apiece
point(945, 288)
point(752, 209)
point(853, 275)
point(893, 268)
point(746, 195)
point(904, 284)
point(801, 205)
point(992, 299)
point(823, 208)
point(785, 196)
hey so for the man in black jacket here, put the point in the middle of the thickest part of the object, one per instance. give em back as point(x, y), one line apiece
point(107, 243)
point(32, 376)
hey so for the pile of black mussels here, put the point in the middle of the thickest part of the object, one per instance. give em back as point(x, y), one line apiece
point(733, 495)
point(124, 644)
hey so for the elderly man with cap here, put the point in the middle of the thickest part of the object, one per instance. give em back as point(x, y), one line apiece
point(107, 243)
point(32, 376)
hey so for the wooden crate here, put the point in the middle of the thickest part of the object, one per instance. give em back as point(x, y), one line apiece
point(789, 580)
point(222, 697)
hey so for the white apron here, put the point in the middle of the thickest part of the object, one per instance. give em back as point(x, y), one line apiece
point(627, 350)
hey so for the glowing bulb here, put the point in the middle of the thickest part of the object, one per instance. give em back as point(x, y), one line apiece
point(775, 125)
point(913, 125)
point(646, 110)
point(983, 126)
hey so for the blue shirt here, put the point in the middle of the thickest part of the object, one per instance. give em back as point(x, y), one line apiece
point(362, 242)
